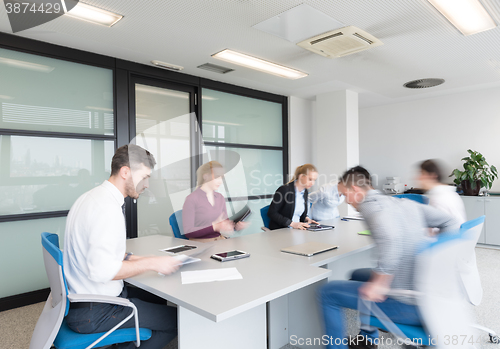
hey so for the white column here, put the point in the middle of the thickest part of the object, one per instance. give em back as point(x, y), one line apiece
point(336, 135)
point(300, 129)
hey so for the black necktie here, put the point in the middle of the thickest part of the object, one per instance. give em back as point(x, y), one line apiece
point(123, 210)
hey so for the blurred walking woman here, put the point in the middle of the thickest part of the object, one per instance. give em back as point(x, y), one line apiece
point(289, 205)
point(204, 214)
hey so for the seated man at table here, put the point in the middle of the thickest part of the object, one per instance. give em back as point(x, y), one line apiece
point(95, 260)
point(398, 227)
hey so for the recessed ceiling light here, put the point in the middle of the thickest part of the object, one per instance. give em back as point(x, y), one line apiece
point(93, 14)
point(259, 64)
point(167, 66)
point(469, 16)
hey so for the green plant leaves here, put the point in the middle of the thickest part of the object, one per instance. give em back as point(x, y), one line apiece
point(476, 168)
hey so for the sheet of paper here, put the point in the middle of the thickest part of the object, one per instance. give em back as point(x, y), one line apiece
point(209, 275)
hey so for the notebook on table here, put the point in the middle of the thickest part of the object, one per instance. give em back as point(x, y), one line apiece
point(309, 249)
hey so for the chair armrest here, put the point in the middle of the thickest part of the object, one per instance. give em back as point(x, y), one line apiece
point(76, 298)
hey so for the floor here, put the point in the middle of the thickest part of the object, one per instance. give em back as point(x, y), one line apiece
point(16, 325)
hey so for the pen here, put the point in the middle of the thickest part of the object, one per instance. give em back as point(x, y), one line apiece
point(345, 220)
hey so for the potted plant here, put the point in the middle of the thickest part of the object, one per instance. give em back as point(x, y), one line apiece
point(477, 174)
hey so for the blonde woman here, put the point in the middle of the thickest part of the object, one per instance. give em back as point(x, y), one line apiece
point(289, 205)
point(204, 214)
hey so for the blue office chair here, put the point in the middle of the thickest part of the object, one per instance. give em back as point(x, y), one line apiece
point(265, 218)
point(415, 197)
point(439, 293)
point(174, 220)
point(51, 327)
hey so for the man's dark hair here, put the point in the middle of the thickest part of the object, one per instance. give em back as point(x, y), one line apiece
point(357, 176)
point(432, 167)
point(132, 156)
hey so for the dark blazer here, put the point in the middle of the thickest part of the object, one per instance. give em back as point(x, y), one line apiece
point(283, 206)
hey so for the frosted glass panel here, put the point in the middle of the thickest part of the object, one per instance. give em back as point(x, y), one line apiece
point(263, 171)
point(40, 174)
point(163, 125)
point(229, 118)
point(46, 94)
point(21, 258)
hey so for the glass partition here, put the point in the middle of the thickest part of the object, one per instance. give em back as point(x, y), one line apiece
point(46, 94)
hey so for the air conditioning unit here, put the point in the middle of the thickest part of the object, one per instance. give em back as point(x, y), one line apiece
point(340, 42)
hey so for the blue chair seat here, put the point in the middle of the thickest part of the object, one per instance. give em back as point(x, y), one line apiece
point(263, 213)
point(175, 221)
point(68, 339)
point(415, 197)
point(415, 333)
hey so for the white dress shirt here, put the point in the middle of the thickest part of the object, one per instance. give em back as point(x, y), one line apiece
point(325, 201)
point(445, 198)
point(299, 205)
point(94, 242)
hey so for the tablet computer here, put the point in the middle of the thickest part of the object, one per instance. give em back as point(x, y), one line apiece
point(230, 255)
point(319, 227)
point(241, 215)
point(178, 249)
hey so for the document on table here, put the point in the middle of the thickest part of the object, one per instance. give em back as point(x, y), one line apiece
point(209, 275)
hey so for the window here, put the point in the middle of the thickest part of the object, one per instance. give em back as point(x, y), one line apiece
point(57, 138)
point(253, 129)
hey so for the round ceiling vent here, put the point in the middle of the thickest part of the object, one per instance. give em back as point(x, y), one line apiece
point(424, 83)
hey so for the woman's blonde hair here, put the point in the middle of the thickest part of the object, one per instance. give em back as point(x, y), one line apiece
point(208, 168)
point(303, 170)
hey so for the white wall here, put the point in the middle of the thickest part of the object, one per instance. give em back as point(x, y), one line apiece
point(300, 132)
point(393, 138)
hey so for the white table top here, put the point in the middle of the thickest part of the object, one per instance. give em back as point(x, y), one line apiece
point(267, 273)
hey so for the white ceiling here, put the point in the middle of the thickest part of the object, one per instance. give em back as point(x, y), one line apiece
point(418, 43)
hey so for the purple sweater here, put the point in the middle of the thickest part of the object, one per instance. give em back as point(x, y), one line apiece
point(198, 214)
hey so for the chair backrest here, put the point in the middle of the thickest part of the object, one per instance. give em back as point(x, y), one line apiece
point(265, 218)
point(176, 224)
point(468, 266)
point(57, 305)
point(415, 197)
point(442, 302)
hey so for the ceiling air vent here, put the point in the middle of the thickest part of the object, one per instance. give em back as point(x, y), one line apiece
point(215, 68)
point(424, 83)
point(340, 42)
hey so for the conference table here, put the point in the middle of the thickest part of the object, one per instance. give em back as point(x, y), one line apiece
point(275, 302)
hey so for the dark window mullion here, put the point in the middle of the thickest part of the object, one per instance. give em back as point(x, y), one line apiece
point(26, 133)
point(30, 216)
point(243, 146)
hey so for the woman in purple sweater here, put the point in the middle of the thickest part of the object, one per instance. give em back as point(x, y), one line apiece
point(204, 214)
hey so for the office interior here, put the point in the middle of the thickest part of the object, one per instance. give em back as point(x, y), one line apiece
point(72, 91)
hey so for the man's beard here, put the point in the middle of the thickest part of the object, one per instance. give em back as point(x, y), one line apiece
point(130, 189)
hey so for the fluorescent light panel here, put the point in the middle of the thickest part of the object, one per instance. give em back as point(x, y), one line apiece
point(258, 64)
point(93, 14)
point(469, 16)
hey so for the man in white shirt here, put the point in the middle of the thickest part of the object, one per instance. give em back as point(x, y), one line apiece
point(96, 262)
